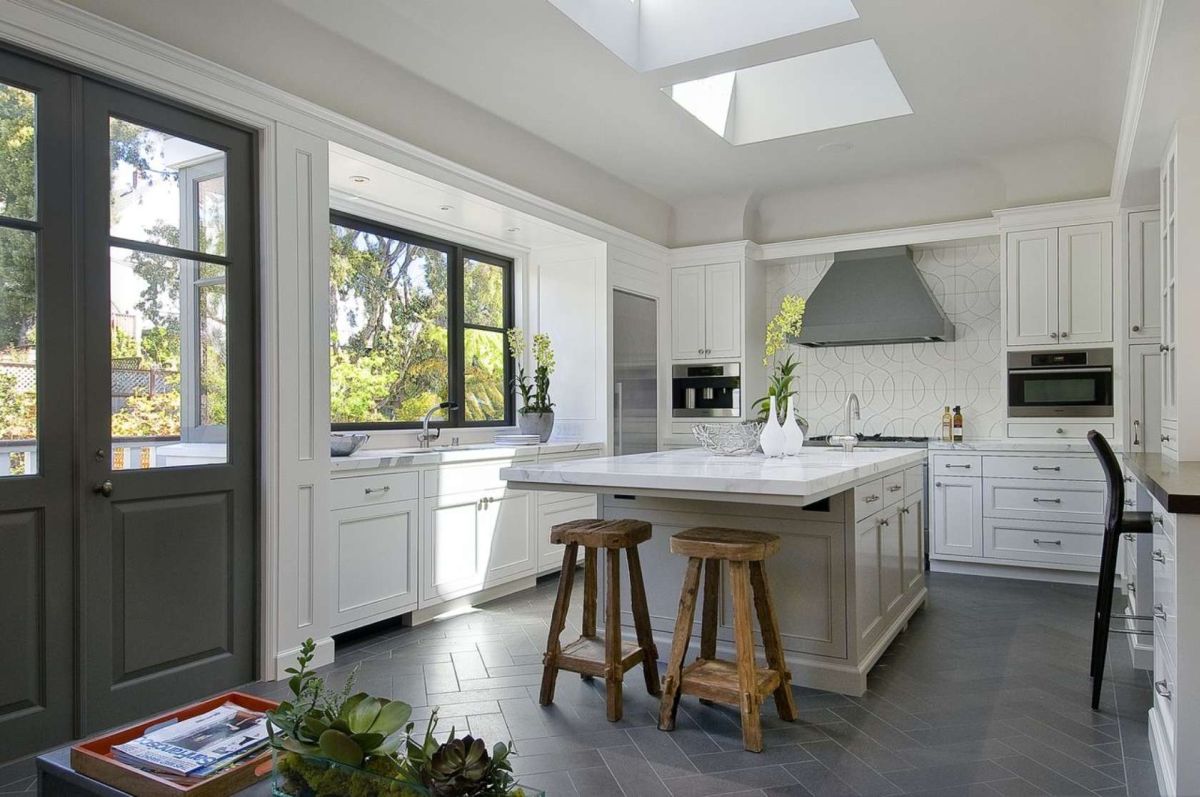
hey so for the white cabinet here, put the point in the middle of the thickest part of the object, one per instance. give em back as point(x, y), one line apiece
point(1144, 292)
point(912, 540)
point(957, 522)
point(555, 508)
point(375, 557)
point(706, 312)
point(1168, 252)
point(1059, 285)
point(868, 595)
point(1145, 398)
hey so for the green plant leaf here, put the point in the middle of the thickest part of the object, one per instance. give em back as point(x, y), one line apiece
point(392, 718)
point(368, 741)
point(363, 715)
point(297, 746)
point(337, 746)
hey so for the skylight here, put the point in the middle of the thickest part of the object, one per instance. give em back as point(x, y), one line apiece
point(832, 88)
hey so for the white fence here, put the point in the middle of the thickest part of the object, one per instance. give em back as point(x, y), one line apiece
point(20, 457)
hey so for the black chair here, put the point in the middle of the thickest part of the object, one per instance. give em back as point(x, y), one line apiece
point(1116, 522)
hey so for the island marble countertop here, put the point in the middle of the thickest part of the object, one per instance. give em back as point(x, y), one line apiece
point(368, 459)
point(697, 474)
point(1003, 444)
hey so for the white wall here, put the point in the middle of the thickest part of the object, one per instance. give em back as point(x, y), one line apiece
point(904, 387)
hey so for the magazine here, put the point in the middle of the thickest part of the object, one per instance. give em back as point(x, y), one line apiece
point(200, 745)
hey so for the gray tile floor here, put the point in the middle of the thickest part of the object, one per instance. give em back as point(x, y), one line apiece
point(985, 694)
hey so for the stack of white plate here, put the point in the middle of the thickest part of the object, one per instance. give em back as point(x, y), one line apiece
point(513, 439)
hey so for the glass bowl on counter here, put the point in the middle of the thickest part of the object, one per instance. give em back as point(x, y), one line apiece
point(728, 439)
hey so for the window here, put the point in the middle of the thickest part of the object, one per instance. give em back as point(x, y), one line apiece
point(415, 321)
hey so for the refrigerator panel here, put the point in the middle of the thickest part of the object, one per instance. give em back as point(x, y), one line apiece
point(635, 374)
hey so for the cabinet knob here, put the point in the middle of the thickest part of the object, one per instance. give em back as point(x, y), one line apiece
point(1136, 328)
point(1054, 335)
point(1162, 689)
point(1163, 348)
point(1158, 556)
point(1165, 438)
point(937, 484)
point(1160, 612)
point(1064, 336)
point(1128, 537)
point(1060, 430)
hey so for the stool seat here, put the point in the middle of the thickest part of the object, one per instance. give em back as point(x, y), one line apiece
point(609, 534)
point(730, 545)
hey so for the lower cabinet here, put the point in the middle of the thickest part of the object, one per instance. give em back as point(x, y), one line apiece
point(888, 565)
point(375, 556)
point(555, 508)
point(956, 527)
point(474, 541)
point(912, 540)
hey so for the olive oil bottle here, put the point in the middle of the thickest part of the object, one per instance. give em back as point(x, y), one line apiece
point(958, 424)
point(947, 426)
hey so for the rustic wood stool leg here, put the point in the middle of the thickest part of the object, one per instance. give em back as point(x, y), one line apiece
point(768, 623)
point(590, 589)
point(743, 635)
point(641, 621)
point(613, 673)
point(679, 645)
point(708, 614)
point(558, 620)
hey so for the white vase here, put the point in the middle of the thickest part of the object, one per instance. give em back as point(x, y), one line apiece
point(772, 439)
point(793, 435)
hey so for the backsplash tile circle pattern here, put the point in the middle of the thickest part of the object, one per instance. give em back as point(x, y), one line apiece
point(903, 387)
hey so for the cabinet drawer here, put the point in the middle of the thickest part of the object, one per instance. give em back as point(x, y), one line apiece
point(914, 480)
point(473, 478)
point(868, 499)
point(1047, 467)
point(957, 465)
point(1033, 499)
point(1059, 429)
point(1036, 541)
point(893, 489)
point(1164, 521)
point(1169, 437)
point(378, 489)
point(1164, 606)
point(1164, 690)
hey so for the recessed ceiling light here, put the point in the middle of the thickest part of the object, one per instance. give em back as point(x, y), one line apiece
point(835, 146)
point(446, 207)
point(359, 178)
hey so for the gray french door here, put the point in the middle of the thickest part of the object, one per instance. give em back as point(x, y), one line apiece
point(127, 406)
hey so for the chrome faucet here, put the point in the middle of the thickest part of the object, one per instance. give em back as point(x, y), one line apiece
point(427, 436)
point(849, 440)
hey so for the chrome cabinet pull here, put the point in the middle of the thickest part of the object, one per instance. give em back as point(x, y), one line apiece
point(1132, 588)
point(1156, 520)
point(1060, 430)
point(1054, 335)
point(1129, 502)
point(1128, 537)
point(870, 499)
point(1047, 500)
point(1163, 348)
point(937, 484)
point(1129, 479)
point(885, 522)
point(373, 490)
point(894, 488)
point(1164, 438)
point(904, 510)
point(965, 467)
point(1036, 541)
point(1137, 425)
point(1158, 556)
point(1136, 328)
point(1160, 611)
point(1162, 689)
point(1065, 335)
point(1047, 467)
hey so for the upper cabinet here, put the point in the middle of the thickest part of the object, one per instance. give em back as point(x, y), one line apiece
point(1168, 246)
point(1144, 292)
point(1059, 285)
point(706, 312)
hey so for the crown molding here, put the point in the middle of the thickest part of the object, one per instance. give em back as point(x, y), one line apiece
point(91, 42)
point(1057, 214)
point(1145, 37)
point(961, 231)
point(713, 253)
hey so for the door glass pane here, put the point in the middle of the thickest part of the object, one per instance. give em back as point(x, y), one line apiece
point(484, 375)
point(18, 154)
point(167, 328)
point(389, 352)
point(18, 352)
point(148, 203)
point(483, 294)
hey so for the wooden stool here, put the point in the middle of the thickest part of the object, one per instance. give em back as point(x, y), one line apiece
point(741, 683)
point(609, 658)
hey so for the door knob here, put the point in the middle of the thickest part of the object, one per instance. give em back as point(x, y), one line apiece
point(104, 488)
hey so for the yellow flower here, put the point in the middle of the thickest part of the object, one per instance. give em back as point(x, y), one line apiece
point(786, 324)
point(543, 355)
point(516, 343)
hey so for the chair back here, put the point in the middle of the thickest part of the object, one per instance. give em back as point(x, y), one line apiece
point(1113, 477)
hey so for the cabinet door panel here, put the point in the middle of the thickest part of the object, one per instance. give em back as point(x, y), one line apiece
point(957, 523)
point(1144, 279)
point(1145, 399)
point(912, 541)
point(376, 561)
point(1032, 266)
point(505, 535)
point(723, 310)
point(867, 595)
point(569, 506)
point(452, 554)
point(1085, 283)
point(891, 569)
point(687, 313)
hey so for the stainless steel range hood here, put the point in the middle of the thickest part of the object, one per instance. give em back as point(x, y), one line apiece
point(873, 296)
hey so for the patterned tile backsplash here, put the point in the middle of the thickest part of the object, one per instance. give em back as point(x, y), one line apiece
point(904, 387)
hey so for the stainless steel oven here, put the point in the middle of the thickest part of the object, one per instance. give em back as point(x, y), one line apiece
point(1050, 384)
point(706, 390)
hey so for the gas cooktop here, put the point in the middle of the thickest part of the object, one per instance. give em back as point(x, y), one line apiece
point(881, 440)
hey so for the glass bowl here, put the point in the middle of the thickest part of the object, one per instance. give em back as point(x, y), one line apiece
point(728, 439)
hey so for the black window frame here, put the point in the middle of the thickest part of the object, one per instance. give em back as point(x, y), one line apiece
point(456, 324)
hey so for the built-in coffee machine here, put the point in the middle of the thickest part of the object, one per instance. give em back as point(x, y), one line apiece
point(707, 390)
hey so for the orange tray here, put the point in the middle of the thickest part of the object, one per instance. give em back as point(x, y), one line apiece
point(93, 758)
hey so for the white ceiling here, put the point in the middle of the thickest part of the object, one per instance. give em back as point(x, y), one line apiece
point(989, 83)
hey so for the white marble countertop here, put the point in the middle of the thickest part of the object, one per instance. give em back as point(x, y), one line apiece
point(369, 459)
point(1002, 444)
point(695, 473)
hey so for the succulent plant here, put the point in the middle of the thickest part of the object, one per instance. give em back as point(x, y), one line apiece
point(459, 767)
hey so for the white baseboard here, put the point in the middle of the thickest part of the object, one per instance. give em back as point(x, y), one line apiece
point(474, 599)
point(1012, 571)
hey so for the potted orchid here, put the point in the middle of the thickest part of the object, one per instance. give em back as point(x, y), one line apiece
point(783, 328)
point(536, 413)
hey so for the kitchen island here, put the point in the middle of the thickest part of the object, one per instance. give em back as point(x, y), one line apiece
point(850, 572)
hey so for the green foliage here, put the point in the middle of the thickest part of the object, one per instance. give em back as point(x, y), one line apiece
point(459, 767)
point(17, 199)
point(123, 344)
point(779, 387)
point(18, 411)
point(535, 391)
point(146, 415)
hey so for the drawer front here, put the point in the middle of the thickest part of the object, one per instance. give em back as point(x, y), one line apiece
point(1048, 543)
point(957, 465)
point(1064, 430)
point(893, 489)
point(377, 489)
point(1169, 438)
point(1047, 467)
point(868, 499)
point(1164, 688)
point(1164, 522)
point(914, 480)
point(473, 478)
point(1033, 499)
point(1164, 605)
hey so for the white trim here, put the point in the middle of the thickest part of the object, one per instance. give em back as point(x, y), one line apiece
point(711, 253)
point(1149, 16)
point(1057, 214)
point(900, 236)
